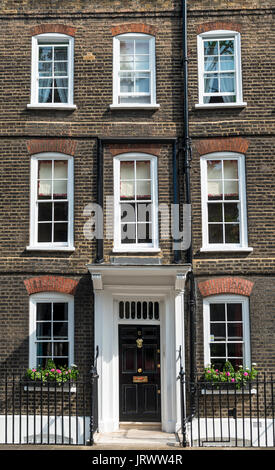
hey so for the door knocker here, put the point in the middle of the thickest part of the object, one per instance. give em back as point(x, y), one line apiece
point(139, 342)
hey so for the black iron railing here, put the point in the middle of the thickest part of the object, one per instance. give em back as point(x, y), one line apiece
point(33, 412)
point(221, 414)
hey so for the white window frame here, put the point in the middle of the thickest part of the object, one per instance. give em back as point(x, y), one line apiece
point(137, 247)
point(59, 246)
point(212, 35)
point(245, 320)
point(243, 245)
point(52, 38)
point(116, 63)
point(46, 297)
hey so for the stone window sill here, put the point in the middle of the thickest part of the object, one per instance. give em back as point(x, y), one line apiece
point(54, 106)
point(220, 105)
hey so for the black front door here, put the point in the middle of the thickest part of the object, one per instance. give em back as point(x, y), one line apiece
point(139, 373)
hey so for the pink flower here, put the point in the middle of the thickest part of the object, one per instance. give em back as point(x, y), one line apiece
point(232, 380)
point(228, 374)
point(245, 373)
point(52, 370)
point(58, 371)
point(209, 371)
point(33, 370)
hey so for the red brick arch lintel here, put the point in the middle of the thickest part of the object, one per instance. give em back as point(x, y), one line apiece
point(133, 28)
point(226, 285)
point(66, 146)
point(225, 144)
point(53, 28)
point(219, 26)
point(117, 149)
point(59, 284)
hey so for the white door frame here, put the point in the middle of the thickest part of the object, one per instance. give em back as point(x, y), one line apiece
point(106, 338)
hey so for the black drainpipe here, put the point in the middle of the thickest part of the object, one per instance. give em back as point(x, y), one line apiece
point(100, 199)
point(187, 161)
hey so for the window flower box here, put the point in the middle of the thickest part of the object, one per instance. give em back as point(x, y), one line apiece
point(229, 379)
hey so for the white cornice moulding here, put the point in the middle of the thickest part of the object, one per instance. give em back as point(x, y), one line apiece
point(97, 281)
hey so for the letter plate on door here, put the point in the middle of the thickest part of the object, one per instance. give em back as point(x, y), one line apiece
point(140, 379)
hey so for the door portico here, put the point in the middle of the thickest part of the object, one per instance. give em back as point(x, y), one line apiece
point(164, 285)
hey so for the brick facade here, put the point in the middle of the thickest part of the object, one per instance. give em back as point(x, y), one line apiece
point(24, 132)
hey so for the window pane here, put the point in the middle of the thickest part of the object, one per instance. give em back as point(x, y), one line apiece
point(44, 169)
point(135, 99)
point(45, 82)
point(227, 63)
point(211, 64)
point(43, 330)
point(214, 169)
point(144, 212)
point(144, 233)
point(215, 213)
point(218, 331)
point(45, 53)
point(44, 349)
point(127, 170)
point(142, 62)
point(60, 330)
point(60, 169)
point(143, 170)
point(45, 69)
point(45, 95)
point(60, 68)
point(127, 63)
point(211, 83)
point(60, 311)
point(235, 350)
point(143, 190)
point(231, 190)
point(44, 189)
point(128, 212)
point(235, 331)
point(127, 83)
point(226, 46)
point(210, 47)
point(127, 190)
point(234, 312)
point(60, 232)
point(142, 84)
point(214, 190)
point(60, 349)
point(217, 350)
point(230, 169)
point(217, 312)
point(45, 211)
point(61, 211)
point(128, 233)
point(60, 94)
point(43, 311)
point(142, 47)
point(215, 233)
point(60, 189)
point(60, 53)
point(44, 233)
point(227, 83)
point(127, 47)
point(231, 212)
point(232, 233)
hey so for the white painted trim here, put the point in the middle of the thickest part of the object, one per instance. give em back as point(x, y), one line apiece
point(149, 247)
point(106, 337)
point(116, 61)
point(220, 34)
point(211, 247)
point(34, 245)
point(51, 38)
point(220, 105)
point(245, 320)
point(49, 297)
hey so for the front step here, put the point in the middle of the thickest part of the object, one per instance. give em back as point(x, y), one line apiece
point(140, 425)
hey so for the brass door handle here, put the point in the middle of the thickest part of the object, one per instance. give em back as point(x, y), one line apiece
point(139, 370)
